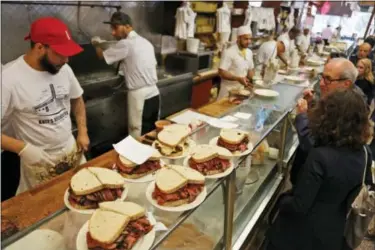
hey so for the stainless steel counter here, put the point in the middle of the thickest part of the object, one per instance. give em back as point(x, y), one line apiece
point(225, 217)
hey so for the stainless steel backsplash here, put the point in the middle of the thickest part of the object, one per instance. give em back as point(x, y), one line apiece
point(83, 22)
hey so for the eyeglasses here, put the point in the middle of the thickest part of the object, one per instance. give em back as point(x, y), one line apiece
point(330, 81)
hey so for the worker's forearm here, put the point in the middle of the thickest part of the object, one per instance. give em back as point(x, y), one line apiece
point(282, 58)
point(79, 111)
point(227, 75)
point(99, 52)
point(11, 144)
point(250, 74)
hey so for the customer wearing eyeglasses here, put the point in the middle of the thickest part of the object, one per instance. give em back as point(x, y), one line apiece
point(339, 73)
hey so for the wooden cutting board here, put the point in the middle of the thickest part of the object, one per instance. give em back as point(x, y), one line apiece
point(218, 108)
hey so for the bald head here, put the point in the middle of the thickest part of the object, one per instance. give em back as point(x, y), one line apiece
point(280, 47)
point(342, 68)
point(364, 50)
point(338, 73)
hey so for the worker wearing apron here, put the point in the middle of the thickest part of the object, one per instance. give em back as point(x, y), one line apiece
point(237, 66)
point(138, 60)
point(38, 91)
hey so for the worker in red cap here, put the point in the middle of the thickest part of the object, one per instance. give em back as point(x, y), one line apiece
point(39, 90)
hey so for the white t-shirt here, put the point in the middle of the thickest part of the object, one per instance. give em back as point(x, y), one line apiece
point(37, 104)
point(289, 44)
point(139, 62)
point(303, 42)
point(267, 51)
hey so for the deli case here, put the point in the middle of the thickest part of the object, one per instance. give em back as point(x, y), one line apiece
point(236, 210)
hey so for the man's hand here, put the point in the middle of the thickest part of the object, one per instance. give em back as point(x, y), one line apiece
point(83, 141)
point(308, 95)
point(31, 155)
point(244, 81)
point(301, 106)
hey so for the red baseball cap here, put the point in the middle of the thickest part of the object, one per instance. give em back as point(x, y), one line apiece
point(51, 31)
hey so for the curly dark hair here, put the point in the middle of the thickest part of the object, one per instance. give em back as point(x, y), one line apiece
point(341, 119)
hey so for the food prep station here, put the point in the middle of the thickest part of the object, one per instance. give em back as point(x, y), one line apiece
point(236, 210)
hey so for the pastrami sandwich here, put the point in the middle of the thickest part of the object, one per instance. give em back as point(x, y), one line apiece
point(172, 140)
point(236, 141)
point(131, 170)
point(210, 159)
point(90, 186)
point(117, 225)
point(177, 185)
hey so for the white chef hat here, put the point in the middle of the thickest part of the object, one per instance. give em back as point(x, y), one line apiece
point(244, 30)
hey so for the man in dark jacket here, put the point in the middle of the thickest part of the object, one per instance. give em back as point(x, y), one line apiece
point(338, 73)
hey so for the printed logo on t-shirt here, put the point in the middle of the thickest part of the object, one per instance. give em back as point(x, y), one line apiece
point(52, 109)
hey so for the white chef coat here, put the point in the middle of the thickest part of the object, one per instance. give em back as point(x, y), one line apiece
point(223, 20)
point(303, 42)
point(327, 33)
point(266, 52)
point(234, 62)
point(139, 67)
point(36, 104)
point(285, 38)
point(191, 15)
point(182, 19)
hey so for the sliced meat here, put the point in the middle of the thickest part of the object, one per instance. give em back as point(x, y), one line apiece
point(92, 243)
point(213, 164)
point(189, 191)
point(242, 146)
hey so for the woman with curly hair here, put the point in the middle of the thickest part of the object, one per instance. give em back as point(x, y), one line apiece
point(313, 214)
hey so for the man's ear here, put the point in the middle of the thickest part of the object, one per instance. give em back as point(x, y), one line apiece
point(348, 83)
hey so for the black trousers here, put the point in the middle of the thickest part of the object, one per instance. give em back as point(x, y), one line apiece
point(325, 41)
point(10, 174)
point(150, 114)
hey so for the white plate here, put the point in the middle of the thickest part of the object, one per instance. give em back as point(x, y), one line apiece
point(282, 71)
point(214, 176)
point(294, 78)
point(143, 243)
point(185, 153)
point(314, 62)
point(214, 140)
point(266, 92)
point(90, 211)
point(200, 198)
point(146, 178)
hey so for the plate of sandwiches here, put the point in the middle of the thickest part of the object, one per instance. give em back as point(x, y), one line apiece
point(173, 141)
point(117, 225)
point(91, 186)
point(210, 160)
point(177, 189)
point(234, 140)
point(139, 173)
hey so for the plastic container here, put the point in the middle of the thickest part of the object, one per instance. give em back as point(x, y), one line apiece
point(192, 45)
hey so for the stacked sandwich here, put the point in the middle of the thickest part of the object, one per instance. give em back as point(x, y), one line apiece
point(236, 141)
point(131, 170)
point(117, 226)
point(172, 140)
point(210, 159)
point(177, 185)
point(93, 185)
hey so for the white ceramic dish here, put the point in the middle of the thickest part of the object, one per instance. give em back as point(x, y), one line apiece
point(313, 62)
point(297, 79)
point(143, 243)
point(214, 140)
point(214, 176)
point(185, 153)
point(90, 211)
point(266, 93)
point(200, 198)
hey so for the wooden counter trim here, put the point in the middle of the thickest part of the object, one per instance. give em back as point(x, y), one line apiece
point(32, 206)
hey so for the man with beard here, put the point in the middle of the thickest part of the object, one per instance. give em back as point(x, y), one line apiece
point(237, 66)
point(138, 63)
point(38, 91)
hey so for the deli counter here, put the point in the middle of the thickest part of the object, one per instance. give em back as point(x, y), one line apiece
point(236, 210)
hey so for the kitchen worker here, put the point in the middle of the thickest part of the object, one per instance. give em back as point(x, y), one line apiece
point(289, 38)
point(269, 50)
point(327, 34)
point(139, 67)
point(237, 66)
point(39, 90)
point(303, 41)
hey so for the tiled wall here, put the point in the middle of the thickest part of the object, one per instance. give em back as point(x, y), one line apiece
point(83, 22)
